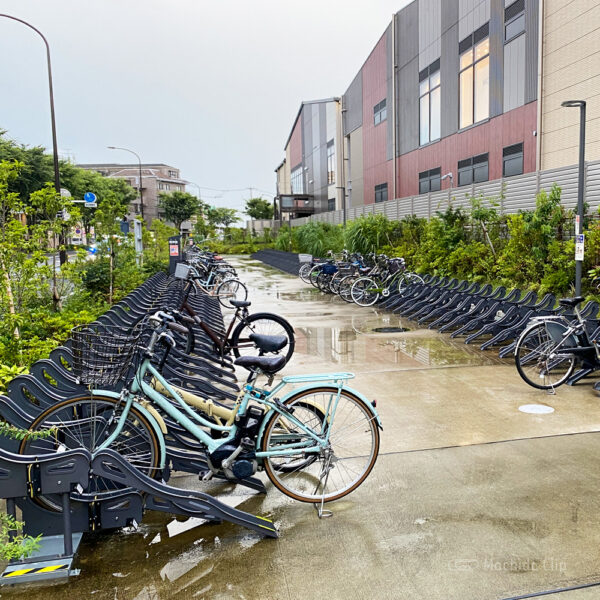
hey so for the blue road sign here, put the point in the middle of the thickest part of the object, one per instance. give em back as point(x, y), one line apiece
point(89, 197)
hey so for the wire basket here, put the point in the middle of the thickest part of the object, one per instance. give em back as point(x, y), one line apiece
point(102, 354)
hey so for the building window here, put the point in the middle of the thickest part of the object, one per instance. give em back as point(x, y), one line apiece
point(381, 192)
point(297, 181)
point(512, 160)
point(473, 170)
point(173, 174)
point(380, 112)
point(330, 162)
point(429, 103)
point(430, 181)
point(474, 77)
point(161, 186)
point(331, 204)
point(514, 20)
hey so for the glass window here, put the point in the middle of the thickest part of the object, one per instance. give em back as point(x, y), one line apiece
point(514, 20)
point(473, 170)
point(331, 204)
point(380, 112)
point(296, 180)
point(430, 181)
point(330, 162)
point(430, 104)
point(474, 80)
point(512, 160)
point(381, 192)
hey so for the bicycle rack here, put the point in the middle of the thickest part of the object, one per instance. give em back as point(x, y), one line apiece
point(24, 478)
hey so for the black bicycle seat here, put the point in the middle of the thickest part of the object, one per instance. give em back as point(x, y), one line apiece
point(240, 303)
point(268, 343)
point(266, 364)
point(571, 302)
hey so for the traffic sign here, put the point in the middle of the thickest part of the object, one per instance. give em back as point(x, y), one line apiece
point(90, 200)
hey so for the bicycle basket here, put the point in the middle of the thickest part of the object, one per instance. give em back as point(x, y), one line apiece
point(102, 354)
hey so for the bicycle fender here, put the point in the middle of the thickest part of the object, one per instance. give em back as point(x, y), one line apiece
point(309, 387)
point(156, 421)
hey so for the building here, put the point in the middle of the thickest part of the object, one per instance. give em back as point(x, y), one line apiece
point(157, 178)
point(570, 59)
point(448, 97)
point(310, 178)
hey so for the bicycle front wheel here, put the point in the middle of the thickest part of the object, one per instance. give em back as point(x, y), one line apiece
point(409, 279)
point(86, 422)
point(345, 288)
point(365, 291)
point(262, 324)
point(539, 362)
point(303, 272)
point(231, 289)
point(335, 471)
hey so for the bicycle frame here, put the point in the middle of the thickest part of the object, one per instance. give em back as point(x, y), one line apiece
point(193, 422)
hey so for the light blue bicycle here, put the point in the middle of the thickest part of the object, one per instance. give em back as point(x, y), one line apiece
point(317, 443)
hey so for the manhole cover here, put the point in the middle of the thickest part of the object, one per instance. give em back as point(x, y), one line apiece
point(390, 329)
point(536, 409)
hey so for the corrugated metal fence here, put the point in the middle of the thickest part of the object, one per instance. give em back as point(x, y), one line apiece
point(519, 194)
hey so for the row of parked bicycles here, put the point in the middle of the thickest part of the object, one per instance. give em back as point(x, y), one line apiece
point(553, 341)
point(151, 387)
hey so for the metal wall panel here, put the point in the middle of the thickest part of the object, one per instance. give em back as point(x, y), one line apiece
point(566, 178)
point(430, 21)
point(355, 185)
point(514, 73)
point(496, 57)
point(353, 105)
point(390, 95)
point(519, 193)
point(449, 67)
point(531, 55)
point(407, 59)
point(472, 14)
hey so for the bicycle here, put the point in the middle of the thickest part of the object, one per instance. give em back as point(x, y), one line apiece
point(316, 443)
point(391, 276)
point(214, 282)
point(548, 349)
point(242, 339)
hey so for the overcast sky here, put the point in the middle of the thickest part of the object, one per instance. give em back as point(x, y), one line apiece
point(209, 87)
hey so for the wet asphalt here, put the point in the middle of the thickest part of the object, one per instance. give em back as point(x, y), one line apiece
point(470, 498)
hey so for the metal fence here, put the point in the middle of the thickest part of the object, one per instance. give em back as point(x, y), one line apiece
point(519, 194)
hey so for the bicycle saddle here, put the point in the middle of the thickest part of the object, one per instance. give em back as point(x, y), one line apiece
point(266, 364)
point(571, 301)
point(268, 343)
point(240, 303)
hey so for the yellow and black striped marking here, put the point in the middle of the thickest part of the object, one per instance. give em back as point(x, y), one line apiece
point(35, 571)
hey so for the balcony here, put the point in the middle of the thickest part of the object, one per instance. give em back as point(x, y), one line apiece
point(300, 205)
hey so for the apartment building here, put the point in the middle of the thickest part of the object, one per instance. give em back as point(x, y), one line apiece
point(310, 178)
point(157, 178)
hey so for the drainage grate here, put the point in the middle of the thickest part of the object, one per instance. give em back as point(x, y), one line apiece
point(390, 329)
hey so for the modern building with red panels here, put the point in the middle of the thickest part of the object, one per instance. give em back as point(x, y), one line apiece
point(447, 97)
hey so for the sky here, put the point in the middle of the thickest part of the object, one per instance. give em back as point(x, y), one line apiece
point(211, 88)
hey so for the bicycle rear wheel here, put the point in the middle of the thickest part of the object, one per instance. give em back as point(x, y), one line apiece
point(87, 422)
point(365, 291)
point(539, 363)
point(409, 279)
point(345, 288)
point(303, 272)
point(262, 324)
point(231, 289)
point(339, 469)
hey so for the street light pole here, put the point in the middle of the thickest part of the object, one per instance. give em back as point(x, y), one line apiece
point(140, 175)
point(52, 117)
point(581, 104)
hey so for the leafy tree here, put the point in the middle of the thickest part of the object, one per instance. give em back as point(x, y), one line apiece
point(259, 208)
point(221, 216)
point(179, 207)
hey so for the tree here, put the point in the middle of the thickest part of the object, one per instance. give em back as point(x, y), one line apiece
point(259, 208)
point(178, 207)
point(222, 216)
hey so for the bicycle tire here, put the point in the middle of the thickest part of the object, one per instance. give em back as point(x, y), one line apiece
point(77, 435)
point(303, 272)
point(281, 470)
point(535, 361)
point(231, 289)
point(409, 279)
point(345, 288)
point(265, 324)
point(323, 280)
point(362, 291)
point(313, 274)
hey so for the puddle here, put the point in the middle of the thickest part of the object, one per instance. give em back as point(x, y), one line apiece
point(390, 329)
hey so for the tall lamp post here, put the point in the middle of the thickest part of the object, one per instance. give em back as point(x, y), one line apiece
point(140, 175)
point(52, 118)
point(579, 222)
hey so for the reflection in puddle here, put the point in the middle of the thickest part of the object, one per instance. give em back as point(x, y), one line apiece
point(349, 345)
point(390, 329)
